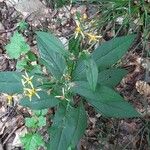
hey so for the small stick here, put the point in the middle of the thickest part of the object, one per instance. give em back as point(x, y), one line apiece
point(1, 146)
point(10, 135)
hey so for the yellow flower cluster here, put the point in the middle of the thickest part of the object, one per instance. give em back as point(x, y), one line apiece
point(80, 31)
point(29, 89)
point(93, 37)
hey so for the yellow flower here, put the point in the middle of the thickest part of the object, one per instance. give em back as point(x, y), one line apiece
point(84, 17)
point(27, 80)
point(31, 92)
point(9, 98)
point(78, 30)
point(92, 37)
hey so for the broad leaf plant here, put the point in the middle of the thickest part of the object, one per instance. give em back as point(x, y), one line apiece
point(72, 77)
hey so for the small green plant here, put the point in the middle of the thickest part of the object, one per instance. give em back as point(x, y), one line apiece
point(17, 46)
point(93, 76)
point(20, 50)
point(33, 139)
point(22, 25)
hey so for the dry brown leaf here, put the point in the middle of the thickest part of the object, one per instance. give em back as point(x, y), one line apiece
point(20, 132)
point(143, 88)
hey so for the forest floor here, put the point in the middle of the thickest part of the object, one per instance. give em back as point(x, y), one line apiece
point(102, 133)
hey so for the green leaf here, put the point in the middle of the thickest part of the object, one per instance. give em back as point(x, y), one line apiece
point(35, 69)
point(55, 64)
point(110, 52)
point(41, 121)
point(105, 100)
point(52, 52)
point(21, 64)
point(37, 112)
point(32, 141)
point(45, 101)
point(31, 122)
point(51, 55)
point(23, 25)
point(60, 3)
point(42, 112)
point(10, 82)
point(69, 125)
point(91, 73)
point(50, 43)
point(74, 45)
point(31, 56)
point(17, 46)
point(105, 55)
point(111, 77)
point(79, 72)
point(81, 125)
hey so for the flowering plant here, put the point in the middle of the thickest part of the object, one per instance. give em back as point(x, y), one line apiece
point(68, 73)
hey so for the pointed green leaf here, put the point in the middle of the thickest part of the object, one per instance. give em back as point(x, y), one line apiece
point(105, 55)
point(91, 73)
point(45, 101)
point(69, 125)
point(110, 52)
point(55, 64)
point(105, 100)
point(74, 45)
point(50, 42)
point(52, 51)
point(111, 77)
point(10, 82)
point(79, 72)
